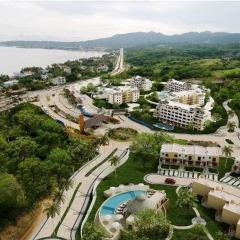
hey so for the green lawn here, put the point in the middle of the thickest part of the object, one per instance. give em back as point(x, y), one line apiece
point(225, 73)
point(122, 134)
point(181, 235)
point(207, 62)
point(225, 165)
point(133, 171)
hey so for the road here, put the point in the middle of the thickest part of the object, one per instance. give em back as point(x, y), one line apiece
point(219, 136)
point(78, 205)
point(119, 67)
point(53, 96)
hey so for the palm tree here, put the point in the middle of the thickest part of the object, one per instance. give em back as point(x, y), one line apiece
point(227, 152)
point(231, 126)
point(59, 197)
point(66, 185)
point(104, 140)
point(52, 210)
point(114, 161)
point(186, 198)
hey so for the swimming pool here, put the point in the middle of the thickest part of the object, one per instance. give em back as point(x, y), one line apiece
point(112, 203)
point(164, 126)
point(162, 94)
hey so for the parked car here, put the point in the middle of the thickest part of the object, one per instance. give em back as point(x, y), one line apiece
point(170, 181)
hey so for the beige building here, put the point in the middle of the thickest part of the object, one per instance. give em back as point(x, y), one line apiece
point(141, 83)
point(122, 94)
point(177, 86)
point(224, 199)
point(194, 97)
point(58, 80)
point(189, 155)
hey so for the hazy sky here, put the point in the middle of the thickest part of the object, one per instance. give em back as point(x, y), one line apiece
point(81, 20)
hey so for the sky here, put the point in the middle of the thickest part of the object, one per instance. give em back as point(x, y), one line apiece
point(83, 20)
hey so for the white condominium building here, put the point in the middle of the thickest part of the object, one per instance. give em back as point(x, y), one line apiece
point(177, 86)
point(141, 83)
point(189, 155)
point(183, 108)
point(122, 94)
point(180, 114)
point(58, 80)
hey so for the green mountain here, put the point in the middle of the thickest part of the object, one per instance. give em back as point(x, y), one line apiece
point(135, 39)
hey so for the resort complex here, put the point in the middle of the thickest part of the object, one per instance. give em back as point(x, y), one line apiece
point(189, 155)
point(119, 95)
point(224, 199)
point(119, 211)
point(184, 105)
point(141, 83)
point(102, 152)
point(58, 80)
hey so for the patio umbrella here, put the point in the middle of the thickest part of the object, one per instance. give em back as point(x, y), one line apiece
point(118, 217)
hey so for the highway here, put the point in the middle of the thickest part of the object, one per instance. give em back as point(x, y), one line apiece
point(119, 67)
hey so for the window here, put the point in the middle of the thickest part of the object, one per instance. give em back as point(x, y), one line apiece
point(199, 158)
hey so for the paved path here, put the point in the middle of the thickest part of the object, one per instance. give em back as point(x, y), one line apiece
point(219, 136)
point(155, 178)
point(119, 67)
point(79, 204)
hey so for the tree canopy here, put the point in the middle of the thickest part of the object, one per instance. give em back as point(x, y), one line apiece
point(36, 158)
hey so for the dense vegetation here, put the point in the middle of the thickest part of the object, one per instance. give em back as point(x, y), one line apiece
point(72, 70)
point(135, 39)
point(36, 159)
point(143, 160)
point(216, 67)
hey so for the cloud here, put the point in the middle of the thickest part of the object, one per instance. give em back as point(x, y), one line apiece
point(74, 20)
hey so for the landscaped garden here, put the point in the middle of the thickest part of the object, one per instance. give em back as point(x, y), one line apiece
point(122, 134)
point(143, 160)
point(101, 103)
point(143, 114)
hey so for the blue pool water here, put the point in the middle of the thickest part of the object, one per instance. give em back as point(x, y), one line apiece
point(164, 126)
point(163, 94)
point(112, 203)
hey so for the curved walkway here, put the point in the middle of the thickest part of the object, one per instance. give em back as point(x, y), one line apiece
point(209, 236)
point(78, 205)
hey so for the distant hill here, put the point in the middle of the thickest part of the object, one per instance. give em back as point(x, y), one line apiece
point(135, 39)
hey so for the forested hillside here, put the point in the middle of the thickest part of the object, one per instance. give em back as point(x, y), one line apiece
point(135, 39)
point(36, 159)
point(217, 67)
